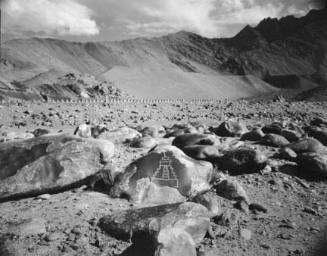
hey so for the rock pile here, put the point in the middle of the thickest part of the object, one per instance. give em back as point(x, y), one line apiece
point(172, 187)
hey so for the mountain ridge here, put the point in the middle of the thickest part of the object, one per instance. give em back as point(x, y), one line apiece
point(184, 63)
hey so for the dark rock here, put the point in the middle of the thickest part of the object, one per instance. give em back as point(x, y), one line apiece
point(194, 139)
point(166, 166)
point(310, 211)
point(257, 208)
point(313, 165)
point(254, 135)
point(231, 129)
point(202, 152)
point(40, 132)
point(319, 122)
point(274, 140)
point(242, 160)
point(274, 128)
point(291, 136)
point(319, 134)
point(49, 163)
point(309, 145)
point(242, 206)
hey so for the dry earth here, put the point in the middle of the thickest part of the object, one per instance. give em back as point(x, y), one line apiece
point(296, 218)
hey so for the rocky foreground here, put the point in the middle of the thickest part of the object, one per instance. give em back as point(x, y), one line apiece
point(228, 178)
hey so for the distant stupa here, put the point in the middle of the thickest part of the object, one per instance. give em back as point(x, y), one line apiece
point(165, 175)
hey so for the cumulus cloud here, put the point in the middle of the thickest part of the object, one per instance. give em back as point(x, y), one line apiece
point(182, 14)
point(121, 19)
point(211, 18)
point(49, 17)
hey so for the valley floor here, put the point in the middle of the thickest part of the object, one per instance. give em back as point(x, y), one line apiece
point(295, 223)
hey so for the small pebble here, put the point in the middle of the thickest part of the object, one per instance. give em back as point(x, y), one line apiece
point(246, 234)
point(43, 197)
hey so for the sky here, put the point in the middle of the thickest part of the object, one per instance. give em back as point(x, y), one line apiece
point(98, 20)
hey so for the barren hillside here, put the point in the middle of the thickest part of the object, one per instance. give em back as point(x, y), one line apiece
point(185, 65)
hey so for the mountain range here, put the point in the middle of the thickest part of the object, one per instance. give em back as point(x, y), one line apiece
point(287, 53)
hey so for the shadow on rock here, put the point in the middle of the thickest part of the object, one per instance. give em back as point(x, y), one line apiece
point(142, 246)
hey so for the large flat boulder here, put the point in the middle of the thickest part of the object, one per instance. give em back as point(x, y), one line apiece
point(148, 222)
point(49, 163)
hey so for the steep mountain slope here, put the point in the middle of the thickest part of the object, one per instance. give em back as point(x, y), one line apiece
point(185, 65)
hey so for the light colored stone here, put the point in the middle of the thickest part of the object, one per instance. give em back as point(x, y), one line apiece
point(246, 234)
point(166, 166)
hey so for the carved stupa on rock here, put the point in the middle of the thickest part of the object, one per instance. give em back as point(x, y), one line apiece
point(165, 174)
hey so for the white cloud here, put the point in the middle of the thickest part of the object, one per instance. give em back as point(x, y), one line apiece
point(49, 17)
point(250, 15)
point(211, 18)
point(192, 15)
point(123, 19)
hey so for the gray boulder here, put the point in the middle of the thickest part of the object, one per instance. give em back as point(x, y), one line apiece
point(149, 222)
point(274, 128)
point(313, 165)
point(291, 135)
point(319, 134)
point(242, 160)
point(231, 129)
point(194, 139)
point(166, 166)
point(287, 154)
point(202, 152)
point(254, 135)
point(274, 140)
point(309, 145)
point(49, 163)
point(120, 135)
